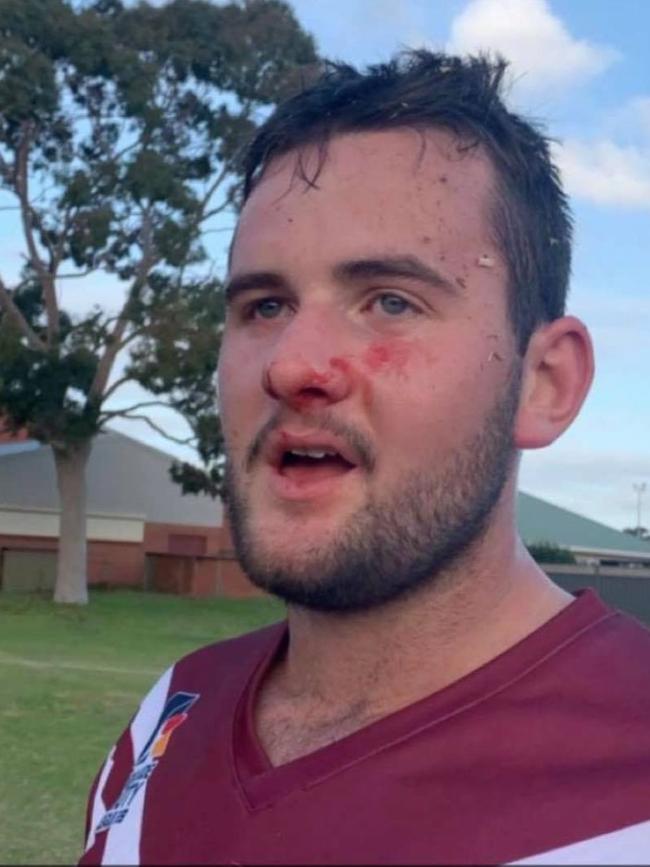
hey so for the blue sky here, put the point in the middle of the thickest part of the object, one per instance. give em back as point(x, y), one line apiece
point(583, 67)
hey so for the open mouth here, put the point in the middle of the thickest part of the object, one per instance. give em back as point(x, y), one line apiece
point(312, 465)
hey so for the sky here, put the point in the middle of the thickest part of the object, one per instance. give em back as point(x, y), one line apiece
point(583, 68)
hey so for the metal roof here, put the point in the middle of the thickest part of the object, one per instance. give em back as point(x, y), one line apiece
point(11, 448)
point(540, 521)
point(124, 477)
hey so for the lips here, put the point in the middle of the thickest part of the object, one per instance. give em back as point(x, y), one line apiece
point(308, 464)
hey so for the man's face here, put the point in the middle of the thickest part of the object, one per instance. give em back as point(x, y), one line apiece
point(368, 375)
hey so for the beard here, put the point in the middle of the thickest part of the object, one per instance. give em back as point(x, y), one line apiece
point(392, 546)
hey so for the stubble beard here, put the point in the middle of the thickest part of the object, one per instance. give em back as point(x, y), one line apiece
point(392, 547)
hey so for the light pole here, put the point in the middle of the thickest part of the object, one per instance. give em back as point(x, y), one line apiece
point(640, 489)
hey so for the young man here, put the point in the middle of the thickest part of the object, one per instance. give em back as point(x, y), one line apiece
point(395, 337)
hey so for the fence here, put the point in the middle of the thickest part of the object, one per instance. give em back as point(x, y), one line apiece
point(624, 587)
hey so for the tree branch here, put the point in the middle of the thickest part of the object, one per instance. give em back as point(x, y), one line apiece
point(164, 433)
point(214, 186)
point(117, 384)
point(124, 411)
point(218, 210)
point(116, 340)
point(12, 310)
point(76, 276)
point(44, 276)
point(57, 254)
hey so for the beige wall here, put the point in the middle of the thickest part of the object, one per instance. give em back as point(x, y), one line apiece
point(45, 522)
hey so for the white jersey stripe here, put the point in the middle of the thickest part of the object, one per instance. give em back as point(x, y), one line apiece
point(99, 807)
point(123, 839)
point(630, 845)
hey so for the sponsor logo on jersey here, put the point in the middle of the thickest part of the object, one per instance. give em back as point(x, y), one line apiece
point(173, 715)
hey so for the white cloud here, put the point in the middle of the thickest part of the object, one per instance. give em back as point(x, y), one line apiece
point(605, 173)
point(631, 121)
point(543, 54)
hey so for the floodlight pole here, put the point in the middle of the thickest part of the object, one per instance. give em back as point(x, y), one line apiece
point(640, 489)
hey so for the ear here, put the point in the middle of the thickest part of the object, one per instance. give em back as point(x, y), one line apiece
point(557, 372)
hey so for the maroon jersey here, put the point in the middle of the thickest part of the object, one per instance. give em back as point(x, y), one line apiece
point(540, 756)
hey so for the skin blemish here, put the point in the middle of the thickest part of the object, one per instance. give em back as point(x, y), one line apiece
point(387, 357)
point(426, 239)
point(362, 382)
point(317, 379)
point(494, 356)
point(341, 364)
point(461, 282)
point(443, 179)
point(485, 261)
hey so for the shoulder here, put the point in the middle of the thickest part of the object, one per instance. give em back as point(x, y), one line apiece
point(214, 673)
point(201, 688)
point(610, 656)
point(216, 665)
point(623, 636)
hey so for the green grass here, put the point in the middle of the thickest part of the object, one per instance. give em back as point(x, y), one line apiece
point(70, 679)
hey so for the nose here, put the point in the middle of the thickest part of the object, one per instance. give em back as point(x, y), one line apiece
point(304, 372)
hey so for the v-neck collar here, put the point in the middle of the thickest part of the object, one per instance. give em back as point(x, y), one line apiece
point(262, 784)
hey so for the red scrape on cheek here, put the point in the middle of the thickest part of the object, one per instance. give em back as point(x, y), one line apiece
point(387, 357)
point(341, 364)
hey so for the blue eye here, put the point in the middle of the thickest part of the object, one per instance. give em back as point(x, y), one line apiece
point(394, 305)
point(268, 308)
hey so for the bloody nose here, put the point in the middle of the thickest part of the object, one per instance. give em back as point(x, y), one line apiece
point(298, 383)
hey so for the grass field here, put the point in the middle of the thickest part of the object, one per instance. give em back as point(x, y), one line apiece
point(70, 679)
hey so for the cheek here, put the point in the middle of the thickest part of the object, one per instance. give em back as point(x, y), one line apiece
point(379, 365)
point(425, 401)
point(238, 378)
point(389, 357)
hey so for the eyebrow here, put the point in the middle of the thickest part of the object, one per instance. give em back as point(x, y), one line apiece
point(382, 267)
point(409, 266)
point(251, 280)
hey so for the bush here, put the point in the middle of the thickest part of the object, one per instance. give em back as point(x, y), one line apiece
point(549, 552)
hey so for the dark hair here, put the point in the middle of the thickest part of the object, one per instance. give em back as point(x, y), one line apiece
point(422, 89)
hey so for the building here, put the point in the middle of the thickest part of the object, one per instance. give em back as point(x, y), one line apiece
point(591, 542)
point(142, 531)
point(615, 564)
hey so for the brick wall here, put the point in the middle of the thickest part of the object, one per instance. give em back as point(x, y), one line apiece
point(215, 570)
point(157, 538)
point(211, 571)
point(119, 564)
point(114, 563)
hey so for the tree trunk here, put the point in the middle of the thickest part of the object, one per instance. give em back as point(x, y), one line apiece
point(71, 581)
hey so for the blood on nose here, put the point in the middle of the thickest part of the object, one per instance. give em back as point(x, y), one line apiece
point(299, 384)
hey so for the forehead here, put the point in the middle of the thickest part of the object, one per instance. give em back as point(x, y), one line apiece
point(397, 189)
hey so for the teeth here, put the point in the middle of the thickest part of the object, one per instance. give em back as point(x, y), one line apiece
point(312, 453)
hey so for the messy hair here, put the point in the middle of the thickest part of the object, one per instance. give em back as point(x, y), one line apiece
point(421, 89)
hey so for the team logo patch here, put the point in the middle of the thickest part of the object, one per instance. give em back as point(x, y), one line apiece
point(174, 714)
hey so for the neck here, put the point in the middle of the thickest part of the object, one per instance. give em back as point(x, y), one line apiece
point(387, 658)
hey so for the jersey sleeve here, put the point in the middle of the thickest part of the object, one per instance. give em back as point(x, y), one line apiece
point(113, 776)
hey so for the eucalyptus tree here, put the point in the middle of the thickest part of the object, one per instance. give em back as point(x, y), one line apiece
point(120, 127)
